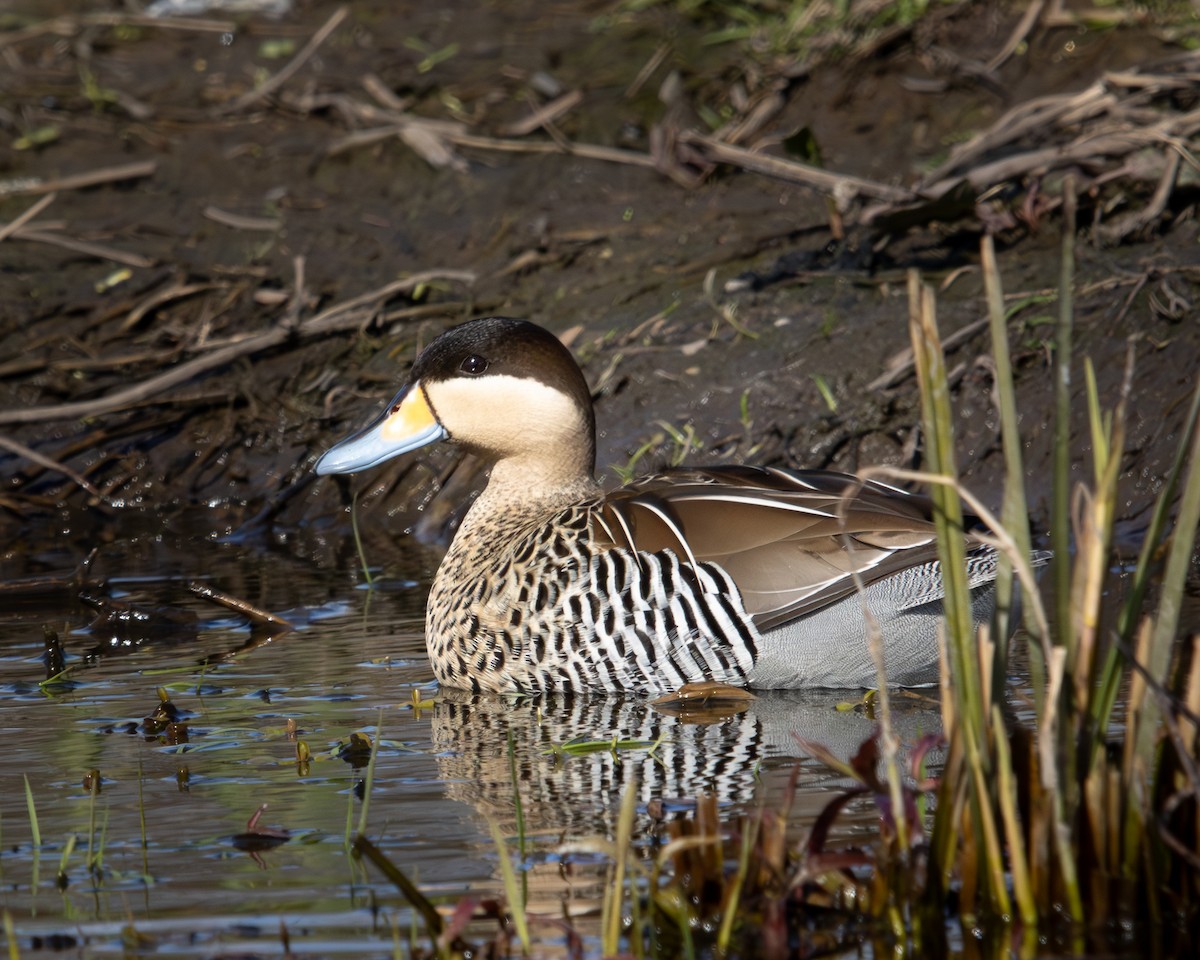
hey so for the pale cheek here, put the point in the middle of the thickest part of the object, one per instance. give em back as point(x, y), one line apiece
point(506, 414)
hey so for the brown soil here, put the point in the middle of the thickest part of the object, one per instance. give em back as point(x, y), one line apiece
point(612, 255)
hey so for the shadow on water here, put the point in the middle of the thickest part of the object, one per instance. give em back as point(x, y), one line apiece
point(163, 770)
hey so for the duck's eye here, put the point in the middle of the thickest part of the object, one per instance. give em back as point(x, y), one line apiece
point(474, 365)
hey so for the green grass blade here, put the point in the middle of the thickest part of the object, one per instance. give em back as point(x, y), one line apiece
point(966, 674)
point(31, 806)
point(1018, 863)
point(369, 781)
point(1131, 611)
point(512, 889)
point(358, 544)
point(10, 934)
point(937, 421)
point(142, 820)
point(434, 924)
point(611, 929)
point(1057, 742)
point(65, 859)
point(1060, 514)
point(729, 912)
point(519, 809)
point(1166, 621)
point(1016, 510)
point(1112, 672)
point(1094, 543)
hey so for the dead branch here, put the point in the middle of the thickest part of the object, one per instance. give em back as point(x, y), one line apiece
point(10, 228)
point(28, 453)
point(126, 171)
point(901, 365)
point(257, 615)
point(843, 187)
point(284, 75)
point(345, 316)
point(1139, 220)
point(176, 291)
point(88, 248)
point(545, 114)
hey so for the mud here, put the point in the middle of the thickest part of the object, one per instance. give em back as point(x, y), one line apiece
point(764, 362)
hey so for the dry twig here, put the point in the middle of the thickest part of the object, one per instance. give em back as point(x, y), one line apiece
point(257, 615)
point(28, 453)
point(284, 75)
point(87, 247)
point(544, 114)
point(8, 229)
point(69, 26)
point(344, 316)
point(125, 171)
point(241, 222)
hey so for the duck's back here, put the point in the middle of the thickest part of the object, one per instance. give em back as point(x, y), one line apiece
point(791, 541)
point(808, 553)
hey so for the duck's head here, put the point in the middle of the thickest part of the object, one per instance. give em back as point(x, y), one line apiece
point(505, 389)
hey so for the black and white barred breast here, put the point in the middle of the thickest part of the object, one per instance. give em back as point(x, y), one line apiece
point(556, 610)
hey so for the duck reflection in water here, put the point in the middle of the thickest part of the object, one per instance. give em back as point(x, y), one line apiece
point(622, 743)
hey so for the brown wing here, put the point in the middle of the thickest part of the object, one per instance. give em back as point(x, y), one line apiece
point(790, 540)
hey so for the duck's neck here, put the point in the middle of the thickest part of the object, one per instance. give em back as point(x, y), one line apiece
point(522, 490)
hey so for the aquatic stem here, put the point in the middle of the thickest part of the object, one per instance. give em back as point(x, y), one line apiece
point(1143, 775)
point(519, 808)
point(369, 780)
point(1016, 510)
point(1060, 514)
point(965, 673)
point(516, 901)
point(358, 543)
point(1110, 676)
point(615, 895)
point(31, 806)
point(750, 832)
point(10, 936)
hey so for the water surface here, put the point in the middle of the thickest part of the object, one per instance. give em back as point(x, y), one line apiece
point(175, 858)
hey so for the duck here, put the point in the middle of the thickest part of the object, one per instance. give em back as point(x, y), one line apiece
point(749, 576)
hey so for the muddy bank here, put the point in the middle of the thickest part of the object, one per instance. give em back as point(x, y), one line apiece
point(720, 314)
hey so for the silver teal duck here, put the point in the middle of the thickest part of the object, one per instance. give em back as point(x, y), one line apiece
point(738, 574)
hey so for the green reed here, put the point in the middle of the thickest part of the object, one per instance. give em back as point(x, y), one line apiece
point(10, 934)
point(31, 806)
point(512, 887)
point(1065, 815)
point(519, 811)
point(358, 543)
point(369, 778)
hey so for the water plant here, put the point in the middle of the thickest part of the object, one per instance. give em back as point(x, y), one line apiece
point(1039, 822)
point(368, 577)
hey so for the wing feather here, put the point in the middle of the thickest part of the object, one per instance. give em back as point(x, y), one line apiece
point(791, 541)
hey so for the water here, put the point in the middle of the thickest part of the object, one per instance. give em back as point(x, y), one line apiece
point(194, 879)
